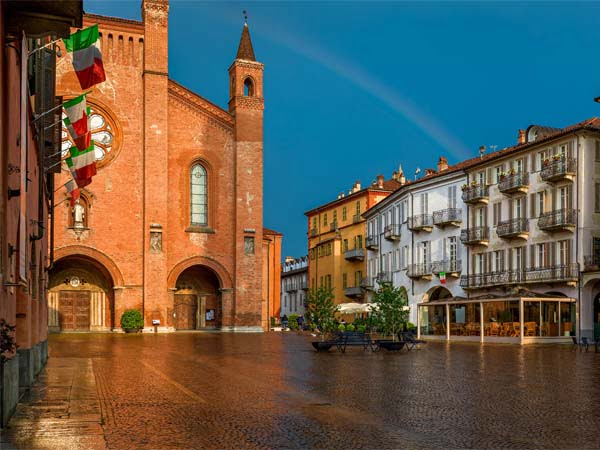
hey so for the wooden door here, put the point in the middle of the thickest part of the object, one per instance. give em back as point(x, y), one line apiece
point(74, 310)
point(185, 312)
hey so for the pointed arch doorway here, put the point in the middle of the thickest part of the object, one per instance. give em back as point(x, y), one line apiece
point(196, 301)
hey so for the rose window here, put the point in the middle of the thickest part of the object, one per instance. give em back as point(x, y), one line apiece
point(102, 133)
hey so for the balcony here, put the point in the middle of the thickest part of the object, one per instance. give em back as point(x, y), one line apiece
point(562, 273)
point(559, 170)
point(421, 222)
point(356, 218)
point(313, 232)
point(372, 243)
point(475, 236)
point(420, 271)
point(357, 254)
point(450, 216)
point(513, 228)
point(292, 286)
point(559, 220)
point(451, 267)
point(514, 183)
point(591, 263)
point(367, 283)
point(384, 277)
point(352, 291)
point(476, 194)
point(303, 285)
point(391, 232)
point(333, 226)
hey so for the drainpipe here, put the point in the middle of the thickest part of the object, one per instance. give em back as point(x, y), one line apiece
point(578, 332)
point(412, 242)
point(468, 292)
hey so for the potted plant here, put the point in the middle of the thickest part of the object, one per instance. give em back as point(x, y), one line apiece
point(464, 187)
point(557, 157)
point(390, 314)
point(512, 172)
point(502, 175)
point(321, 315)
point(132, 321)
point(546, 161)
point(473, 183)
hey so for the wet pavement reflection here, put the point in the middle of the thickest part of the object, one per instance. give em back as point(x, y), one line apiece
point(211, 390)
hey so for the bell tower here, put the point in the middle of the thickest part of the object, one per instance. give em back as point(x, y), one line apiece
point(246, 104)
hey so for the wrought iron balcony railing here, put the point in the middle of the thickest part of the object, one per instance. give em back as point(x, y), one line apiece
point(556, 273)
point(447, 216)
point(558, 220)
point(475, 236)
point(518, 227)
point(559, 169)
point(384, 277)
point(517, 182)
point(476, 194)
point(353, 291)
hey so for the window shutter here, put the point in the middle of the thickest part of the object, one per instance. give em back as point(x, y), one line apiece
point(597, 197)
point(568, 250)
point(532, 205)
point(550, 248)
point(532, 256)
point(510, 258)
point(502, 252)
point(570, 196)
point(525, 159)
point(570, 150)
point(495, 214)
point(510, 208)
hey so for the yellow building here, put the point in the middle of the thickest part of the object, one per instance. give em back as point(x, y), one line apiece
point(336, 239)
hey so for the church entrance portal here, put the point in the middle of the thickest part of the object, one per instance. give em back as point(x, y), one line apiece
point(80, 296)
point(196, 303)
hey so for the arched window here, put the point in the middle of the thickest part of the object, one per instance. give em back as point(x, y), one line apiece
point(199, 197)
point(248, 88)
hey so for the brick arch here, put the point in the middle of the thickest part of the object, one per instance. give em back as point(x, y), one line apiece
point(220, 271)
point(100, 257)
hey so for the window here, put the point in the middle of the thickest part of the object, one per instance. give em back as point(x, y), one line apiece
point(358, 278)
point(345, 245)
point(452, 249)
point(425, 252)
point(497, 172)
point(541, 199)
point(404, 257)
point(315, 223)
point(335, 216)
point(497, 213)
point(325, 219)
point(518, 207)
point(479, 263)
point(518, 258)
point(480, 217)
point(344, 213)
point(518, 166)
point(481, 178)
point(424, 203)
point(562, 254)
point(358, 241)
point(541, 159)
point(499, 260)
point(596, 250)
point(199, 198)
point(344, 280)
point(540, 256)
point(328, 281)
point(451, 196)
point(358, 209)
point(248, 87)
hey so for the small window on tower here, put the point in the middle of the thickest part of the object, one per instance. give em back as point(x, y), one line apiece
point(248, 88)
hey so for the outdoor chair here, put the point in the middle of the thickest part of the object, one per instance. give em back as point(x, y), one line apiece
point(494, 328)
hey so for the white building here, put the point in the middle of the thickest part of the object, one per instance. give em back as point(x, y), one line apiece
point(413, 237)
point(294, 286)
point(529, 248)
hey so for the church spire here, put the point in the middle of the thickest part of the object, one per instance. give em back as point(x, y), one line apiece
point(245, 50)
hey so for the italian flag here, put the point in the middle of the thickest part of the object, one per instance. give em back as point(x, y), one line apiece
point(77, 121)
point(87, 59)
point(73, 189)
point(82, 164)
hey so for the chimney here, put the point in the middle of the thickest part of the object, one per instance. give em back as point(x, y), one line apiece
point(380, 181)
point(522, 137)
point(429, 172)
point(442, 164)
point(355, 187)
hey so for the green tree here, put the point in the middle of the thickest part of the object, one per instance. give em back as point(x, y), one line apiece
point(321, 309)
point(391, 310)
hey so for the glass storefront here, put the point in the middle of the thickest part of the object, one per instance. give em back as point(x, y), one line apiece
point(465, 319)
point(433, 320)
point(501, 319)
point(552, 318)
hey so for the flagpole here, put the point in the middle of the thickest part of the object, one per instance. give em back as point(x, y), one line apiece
point(62, 201)
point(43, 46)
point(60, 187)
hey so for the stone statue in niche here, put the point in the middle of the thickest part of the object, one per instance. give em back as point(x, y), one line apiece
point(155, 241)
point(78, 215)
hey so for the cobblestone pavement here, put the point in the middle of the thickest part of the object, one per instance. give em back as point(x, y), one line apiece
point(210, 390)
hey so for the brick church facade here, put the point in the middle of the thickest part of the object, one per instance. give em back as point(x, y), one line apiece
point(172, 223)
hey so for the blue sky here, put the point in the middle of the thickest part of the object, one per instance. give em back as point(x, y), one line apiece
point(352, 89)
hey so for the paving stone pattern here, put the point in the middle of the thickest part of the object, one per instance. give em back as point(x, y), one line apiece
point(210, 390)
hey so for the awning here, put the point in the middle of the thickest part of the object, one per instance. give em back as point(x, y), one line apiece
point(355, 308)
